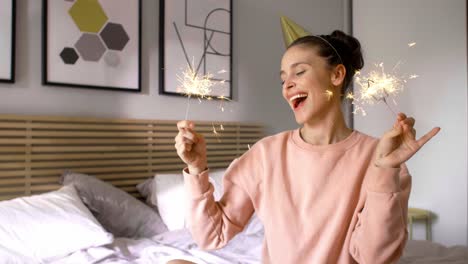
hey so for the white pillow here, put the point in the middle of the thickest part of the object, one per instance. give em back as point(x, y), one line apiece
point(171, 198)
point(48, 226)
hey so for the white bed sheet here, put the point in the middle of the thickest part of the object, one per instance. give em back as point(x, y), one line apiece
point(244, 248)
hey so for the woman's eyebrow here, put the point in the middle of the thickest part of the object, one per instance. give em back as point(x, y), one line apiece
point(293, 66)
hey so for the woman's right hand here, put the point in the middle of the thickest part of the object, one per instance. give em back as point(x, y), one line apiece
point(191, 147)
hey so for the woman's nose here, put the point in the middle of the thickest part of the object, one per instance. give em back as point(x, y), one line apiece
point(288, 84)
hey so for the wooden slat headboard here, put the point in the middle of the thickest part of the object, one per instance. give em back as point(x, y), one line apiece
point(36, 150)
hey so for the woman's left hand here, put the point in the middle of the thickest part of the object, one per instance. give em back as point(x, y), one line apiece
point(399, 144)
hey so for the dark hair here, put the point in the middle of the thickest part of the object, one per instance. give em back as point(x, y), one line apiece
point(348, 48)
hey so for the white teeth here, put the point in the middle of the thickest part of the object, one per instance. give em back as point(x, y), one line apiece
point(297, 96)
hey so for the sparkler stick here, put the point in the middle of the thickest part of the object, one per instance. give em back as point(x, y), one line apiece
point(187, 107)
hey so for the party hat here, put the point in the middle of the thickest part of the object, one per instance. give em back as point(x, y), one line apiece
point(291, 31)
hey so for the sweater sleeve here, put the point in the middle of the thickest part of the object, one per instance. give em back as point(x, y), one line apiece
point(380, 233)
point(212, 223)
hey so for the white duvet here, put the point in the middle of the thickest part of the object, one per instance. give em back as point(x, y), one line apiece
point(244, 248)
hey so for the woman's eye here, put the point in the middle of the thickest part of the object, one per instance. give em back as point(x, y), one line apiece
point(300, 73)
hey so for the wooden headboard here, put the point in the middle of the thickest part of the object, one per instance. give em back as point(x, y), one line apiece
point(36, 150)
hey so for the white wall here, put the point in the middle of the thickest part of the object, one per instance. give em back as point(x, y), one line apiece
point(437, 98)
point(258, 46)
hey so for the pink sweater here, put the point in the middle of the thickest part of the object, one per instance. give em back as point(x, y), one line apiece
point(318, 204)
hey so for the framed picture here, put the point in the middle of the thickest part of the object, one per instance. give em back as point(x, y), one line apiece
point(7, 40)
point(92, 44)
point(196, 36)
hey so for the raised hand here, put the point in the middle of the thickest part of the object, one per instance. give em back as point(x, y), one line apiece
point(191, 147)
point(399, 144)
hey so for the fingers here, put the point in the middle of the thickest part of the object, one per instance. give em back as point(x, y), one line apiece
point(424, 139)
point(402, 119)
point(183, 150)
point(396, 131)
point(406, 124)
point(401, 116)
point(185, 124)
point(186, 133)
point(186, 138)
point(409, 121)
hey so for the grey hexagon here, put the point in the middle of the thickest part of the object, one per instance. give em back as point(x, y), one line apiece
point(112, 58)
point(69, 55)
point(90, 47)
point(114, 36)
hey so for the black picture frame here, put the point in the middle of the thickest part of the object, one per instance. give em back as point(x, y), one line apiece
point(10, 39)
point(175, 53)
point(117, 68)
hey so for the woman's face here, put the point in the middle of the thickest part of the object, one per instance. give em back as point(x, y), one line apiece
point(307, 81)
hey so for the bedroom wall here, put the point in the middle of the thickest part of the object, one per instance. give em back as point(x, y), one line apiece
point(258, 46)
point(437, 98)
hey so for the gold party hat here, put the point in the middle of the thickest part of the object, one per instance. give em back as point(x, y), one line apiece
point(291, 31)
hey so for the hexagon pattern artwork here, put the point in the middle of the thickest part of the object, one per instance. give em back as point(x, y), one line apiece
point(98, 35)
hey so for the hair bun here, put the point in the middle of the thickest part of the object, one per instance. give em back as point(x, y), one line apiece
point(353, 46)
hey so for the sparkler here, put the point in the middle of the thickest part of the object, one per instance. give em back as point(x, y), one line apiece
point(377, 86)
point(215, 132)
point(329, 94)
point(223, 99)
point(193, 84)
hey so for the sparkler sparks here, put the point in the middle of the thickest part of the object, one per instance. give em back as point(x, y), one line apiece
point(329, 94)
point(193, 84)
point(222, 99)
point(215, 132)
point(377, 86)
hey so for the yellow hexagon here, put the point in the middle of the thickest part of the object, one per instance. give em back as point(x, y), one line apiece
point(88, 15)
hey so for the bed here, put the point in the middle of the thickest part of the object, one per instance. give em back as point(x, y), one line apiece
point(100, 190)
point(100, 157)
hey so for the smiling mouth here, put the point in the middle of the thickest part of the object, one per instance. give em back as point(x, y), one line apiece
point(298, 100)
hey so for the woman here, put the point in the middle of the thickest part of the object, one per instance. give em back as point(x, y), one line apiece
point(324, 193)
